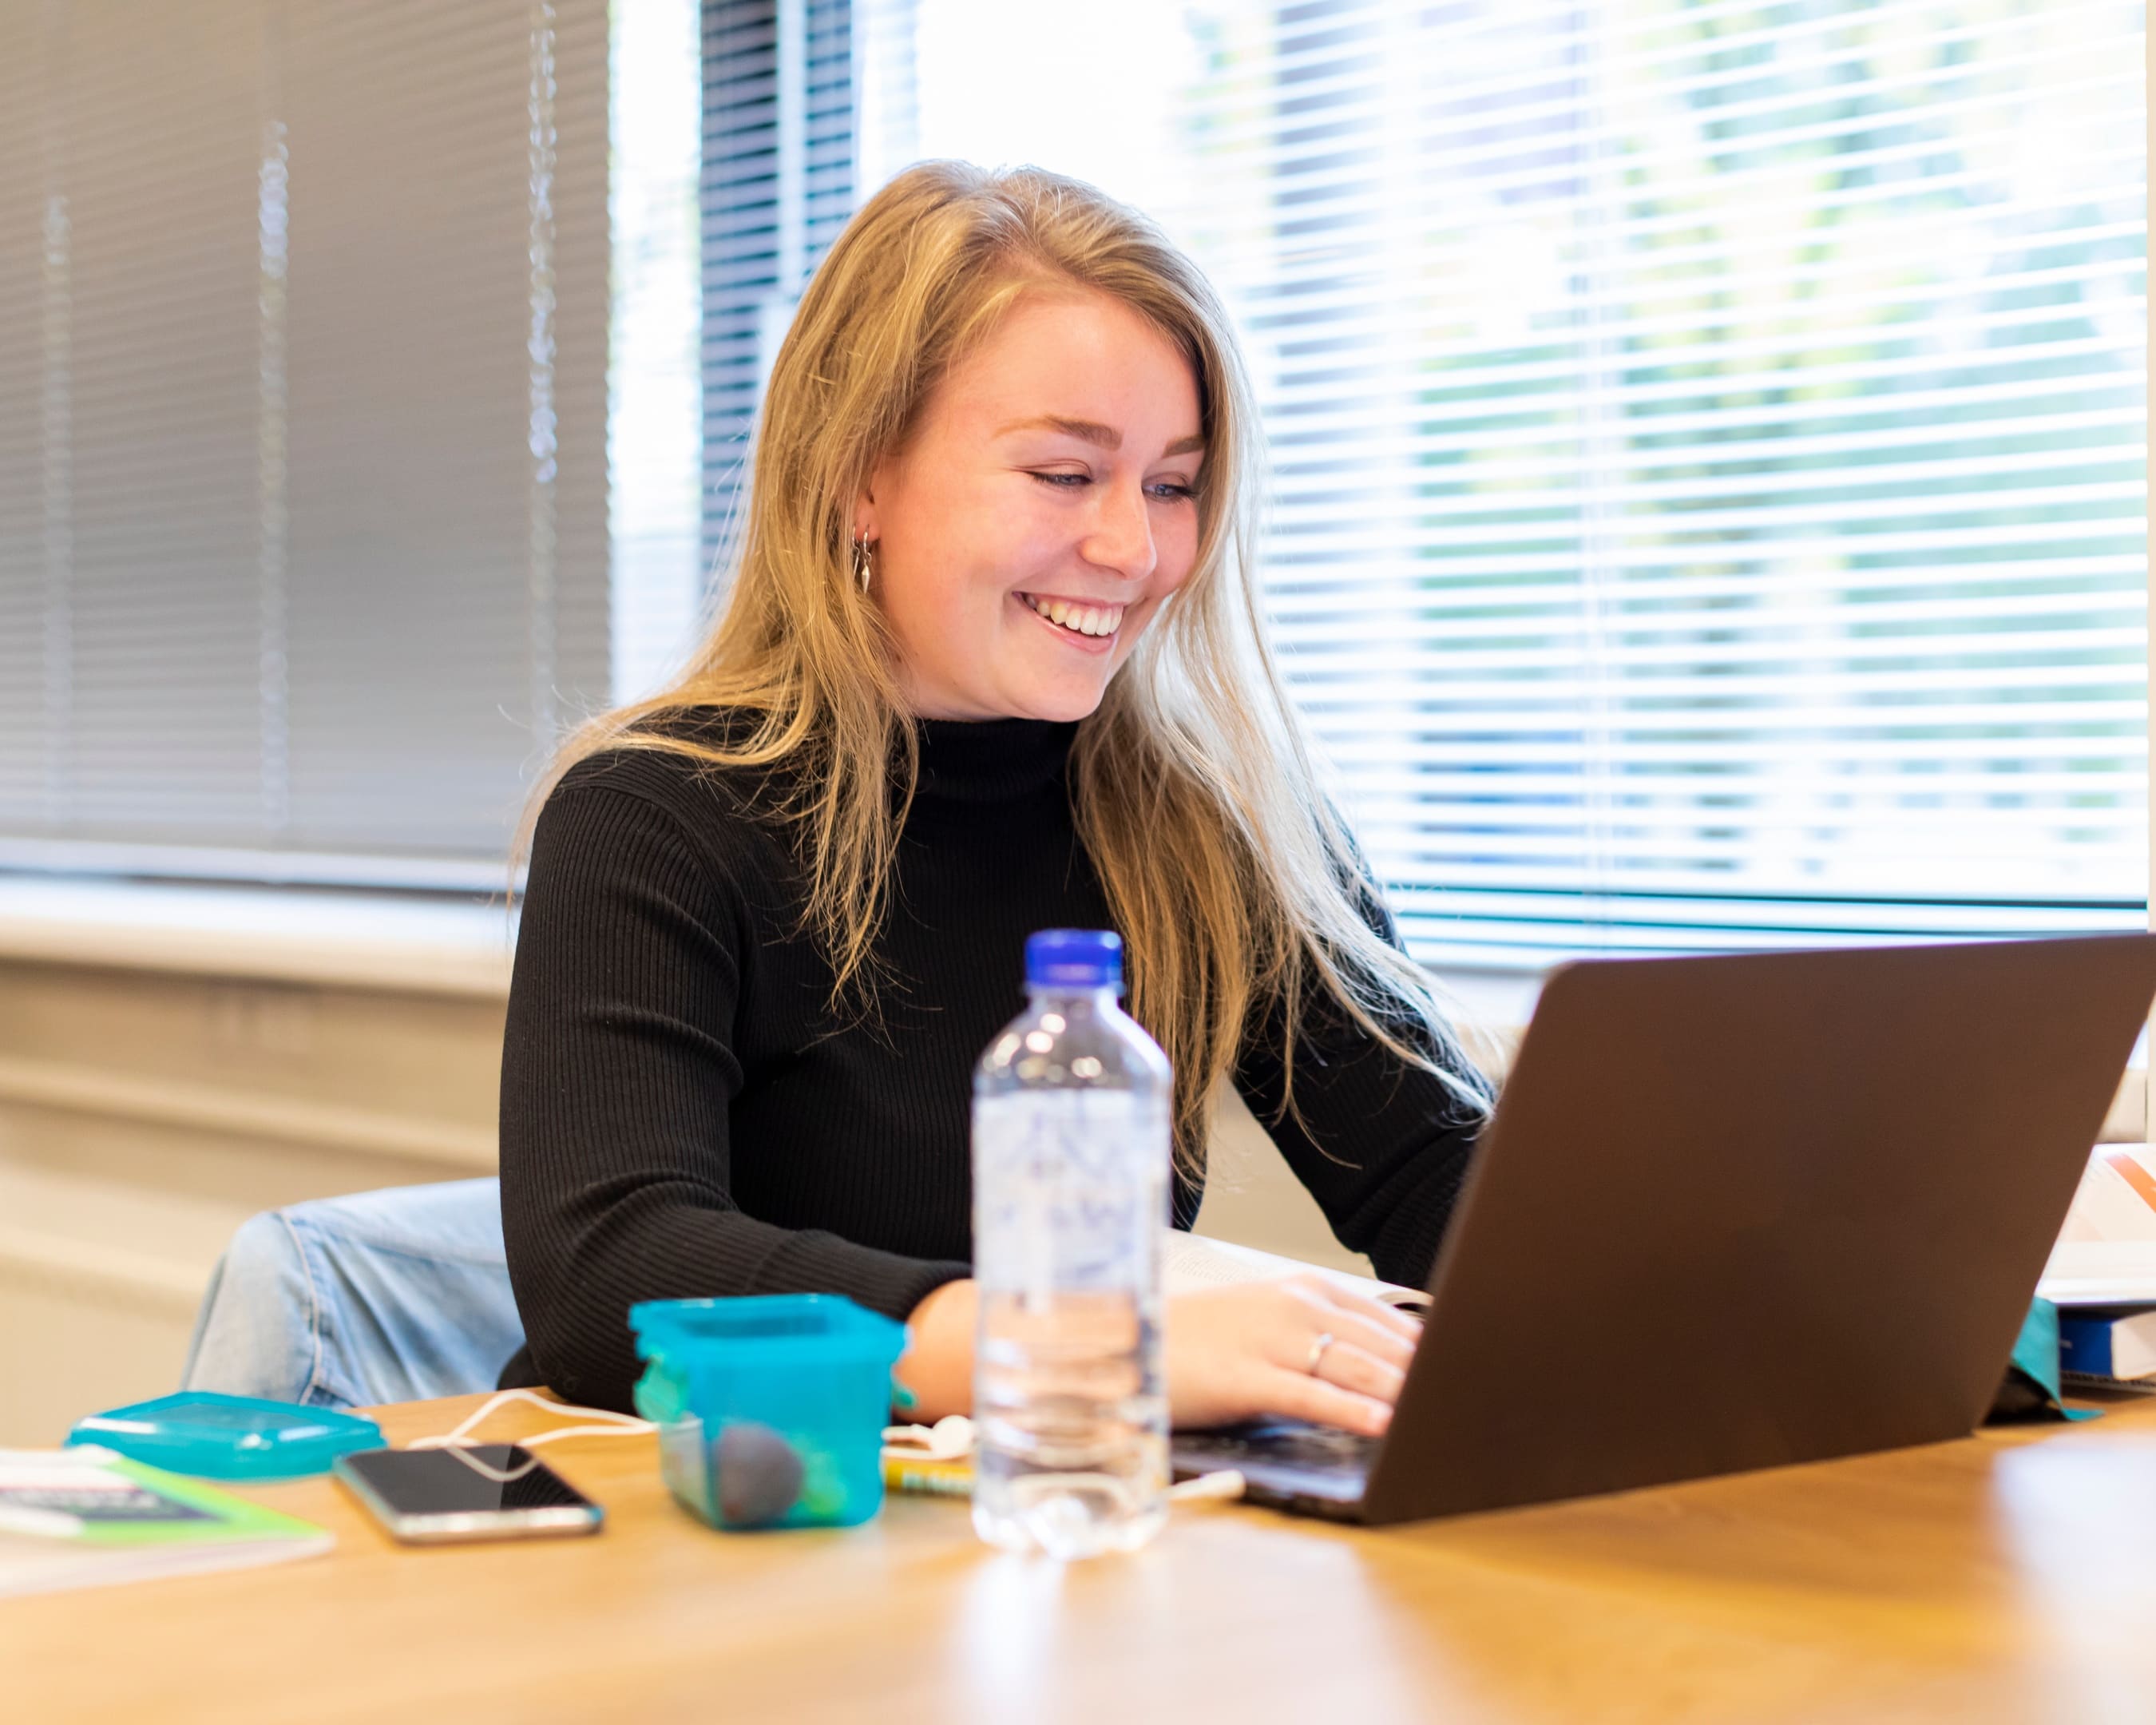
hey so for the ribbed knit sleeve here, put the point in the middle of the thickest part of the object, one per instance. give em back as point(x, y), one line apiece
point(620, 1071)
point(1381, 1145)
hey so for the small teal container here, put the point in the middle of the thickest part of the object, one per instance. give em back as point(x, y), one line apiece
point(770, 1409)
point(230, 1437)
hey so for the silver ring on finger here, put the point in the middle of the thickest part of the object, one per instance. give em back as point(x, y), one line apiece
point(1317, 1353)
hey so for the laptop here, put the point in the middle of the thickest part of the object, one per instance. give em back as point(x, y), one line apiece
point(1736, 1213)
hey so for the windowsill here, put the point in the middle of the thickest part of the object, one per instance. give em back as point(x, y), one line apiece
point(405, 943)
point(1502, 1000)
point(386, 941)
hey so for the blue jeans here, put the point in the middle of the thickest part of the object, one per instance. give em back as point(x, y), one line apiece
point(382, 1297)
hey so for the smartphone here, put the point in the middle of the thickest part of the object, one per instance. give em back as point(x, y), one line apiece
point(481, 1492)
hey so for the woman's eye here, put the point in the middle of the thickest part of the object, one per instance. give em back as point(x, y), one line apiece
point(1166, 490)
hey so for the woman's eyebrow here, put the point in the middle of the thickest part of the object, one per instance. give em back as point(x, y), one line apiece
point(1091, 431)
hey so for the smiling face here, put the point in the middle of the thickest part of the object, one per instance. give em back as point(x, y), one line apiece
point(1040, 514)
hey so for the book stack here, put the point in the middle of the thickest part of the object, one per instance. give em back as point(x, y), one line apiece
point(2114, 1345)
point(2102, 1273)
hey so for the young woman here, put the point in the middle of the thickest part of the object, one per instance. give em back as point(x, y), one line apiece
point(991, 661)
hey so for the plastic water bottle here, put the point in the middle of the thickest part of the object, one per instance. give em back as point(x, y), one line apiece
point(1071, 1167)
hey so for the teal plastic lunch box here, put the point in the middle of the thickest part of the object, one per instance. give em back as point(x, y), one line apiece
point(770, 1409)
point(230, 1437)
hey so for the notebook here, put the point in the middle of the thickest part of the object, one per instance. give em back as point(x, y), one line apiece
point(86, 1516)
point(1190, 1261)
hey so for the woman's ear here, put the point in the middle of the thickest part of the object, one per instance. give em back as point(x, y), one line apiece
point(864, 523)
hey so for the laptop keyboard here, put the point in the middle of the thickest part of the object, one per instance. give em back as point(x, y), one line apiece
point(1279, 1443)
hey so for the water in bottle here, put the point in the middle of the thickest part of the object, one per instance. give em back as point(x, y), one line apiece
point(1071, 1168)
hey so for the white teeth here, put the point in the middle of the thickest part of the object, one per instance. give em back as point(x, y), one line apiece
point(1078, 619)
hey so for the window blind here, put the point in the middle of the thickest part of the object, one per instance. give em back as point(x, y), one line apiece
point(778, 184)
point(1708, 439)
point(302, 429)
point(1709, 450)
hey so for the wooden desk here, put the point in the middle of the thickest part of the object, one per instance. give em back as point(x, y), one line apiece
point(2007, 1576)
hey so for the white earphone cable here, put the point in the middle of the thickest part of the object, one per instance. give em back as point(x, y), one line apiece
point(460, 1442)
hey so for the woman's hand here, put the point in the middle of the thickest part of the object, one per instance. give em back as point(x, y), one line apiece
point(937, 1365)
point(1244, 1351)
point(1236, 1353)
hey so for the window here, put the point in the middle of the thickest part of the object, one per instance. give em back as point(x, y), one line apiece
point(780, 184)
point(1707, 439)
point(303, 513)
point(654, 401)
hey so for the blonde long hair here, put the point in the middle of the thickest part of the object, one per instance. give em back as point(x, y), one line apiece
point(1226, 870)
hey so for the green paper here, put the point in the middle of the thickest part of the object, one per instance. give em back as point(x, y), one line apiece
point(225, 1516)
point(114, 1502)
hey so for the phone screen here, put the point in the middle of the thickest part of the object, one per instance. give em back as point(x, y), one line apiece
point(444, 1482)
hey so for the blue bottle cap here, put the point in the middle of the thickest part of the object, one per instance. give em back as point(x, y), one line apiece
point(1074, 958)
point(230, 1437)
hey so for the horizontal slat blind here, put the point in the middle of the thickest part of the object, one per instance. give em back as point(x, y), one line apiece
point(1709, 455)
point(1708, 441)
point(302, 422)
point(162, 276)
point(26, 170)
point(654, 408)
point(778, 187)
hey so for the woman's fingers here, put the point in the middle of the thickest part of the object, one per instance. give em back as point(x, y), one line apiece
point(1297, 1395)
point(1373, 1339)
point(1390, 1318)
point(1361, 1322)
point(1351, 1367)
point(1251, 1348)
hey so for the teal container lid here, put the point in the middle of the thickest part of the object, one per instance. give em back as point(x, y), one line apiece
point(757, 1339)
point(230, 1437)
point(765, 1330)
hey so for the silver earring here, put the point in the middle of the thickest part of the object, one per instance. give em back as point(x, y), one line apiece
point(861, 561)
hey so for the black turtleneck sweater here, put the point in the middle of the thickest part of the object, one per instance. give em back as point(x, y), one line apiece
point(681, 1116)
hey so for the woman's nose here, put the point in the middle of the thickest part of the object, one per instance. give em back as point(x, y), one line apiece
point(1121, 537)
